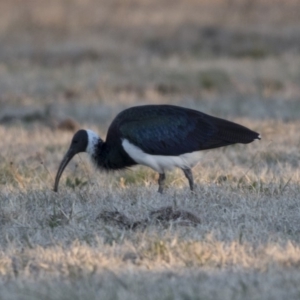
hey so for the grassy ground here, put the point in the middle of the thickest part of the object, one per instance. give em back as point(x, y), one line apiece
point(112, 236)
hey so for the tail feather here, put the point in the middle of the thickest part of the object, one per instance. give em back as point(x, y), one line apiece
point(229, 133)
point(235, 133)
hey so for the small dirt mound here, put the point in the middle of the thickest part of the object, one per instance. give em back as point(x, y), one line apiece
point(115, 218)
point(68, 124)
point(169, 214)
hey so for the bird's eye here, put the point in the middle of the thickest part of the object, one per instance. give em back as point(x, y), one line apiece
point(75, 142)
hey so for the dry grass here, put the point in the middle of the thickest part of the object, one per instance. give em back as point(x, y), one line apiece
point(69, 64)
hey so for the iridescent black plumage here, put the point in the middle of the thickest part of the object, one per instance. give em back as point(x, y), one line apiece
point(174, 130)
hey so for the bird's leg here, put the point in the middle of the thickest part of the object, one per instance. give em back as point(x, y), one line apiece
point(189, 175)
point(161, 182)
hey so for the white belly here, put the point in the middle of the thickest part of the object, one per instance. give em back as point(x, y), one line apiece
point(161, 163)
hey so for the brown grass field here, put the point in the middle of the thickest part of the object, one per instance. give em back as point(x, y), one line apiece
point(66, 64)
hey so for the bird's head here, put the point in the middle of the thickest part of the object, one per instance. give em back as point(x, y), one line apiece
point(82, 141)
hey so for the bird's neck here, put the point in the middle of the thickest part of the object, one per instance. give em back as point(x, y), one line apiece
point(101, 156)
point(93, 142)
point(107, 156)
point(110, 158)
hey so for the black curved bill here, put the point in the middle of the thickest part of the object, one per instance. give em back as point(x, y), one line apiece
point(68, 156)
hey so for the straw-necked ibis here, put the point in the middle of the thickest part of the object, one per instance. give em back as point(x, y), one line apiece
point(161, 137)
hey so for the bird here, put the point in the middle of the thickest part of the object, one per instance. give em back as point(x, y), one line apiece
point(161, 137)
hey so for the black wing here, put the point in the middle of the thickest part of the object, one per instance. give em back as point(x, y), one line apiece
point(173, 130)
